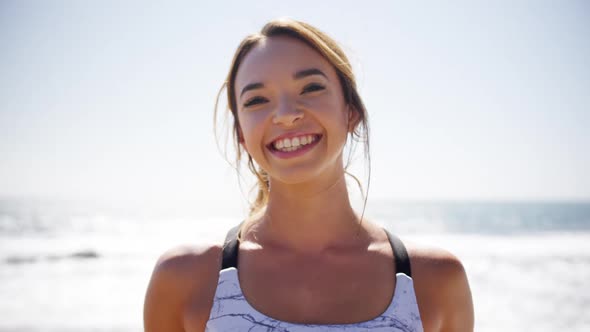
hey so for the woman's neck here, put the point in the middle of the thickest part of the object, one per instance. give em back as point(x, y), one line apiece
point(310, 217)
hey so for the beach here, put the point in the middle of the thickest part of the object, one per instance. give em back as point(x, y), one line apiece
point(87, 269)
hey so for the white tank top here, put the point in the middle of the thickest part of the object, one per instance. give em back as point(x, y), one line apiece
point(232, 312)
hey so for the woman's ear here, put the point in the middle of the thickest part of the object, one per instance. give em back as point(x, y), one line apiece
point(241, 139)
point(353, 118)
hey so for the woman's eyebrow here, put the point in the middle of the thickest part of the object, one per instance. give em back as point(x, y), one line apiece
point(308, 72)
point(251, 86)
point(298, 75)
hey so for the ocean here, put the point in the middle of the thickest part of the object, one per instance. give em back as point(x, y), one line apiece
point(68, 266)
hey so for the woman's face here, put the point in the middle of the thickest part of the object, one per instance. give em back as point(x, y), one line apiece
point(293, 118)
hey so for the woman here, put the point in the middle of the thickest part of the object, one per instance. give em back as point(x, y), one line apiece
point(307, 261)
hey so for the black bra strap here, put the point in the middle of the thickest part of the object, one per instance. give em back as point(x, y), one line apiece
point(230, 248)
point(400, 255)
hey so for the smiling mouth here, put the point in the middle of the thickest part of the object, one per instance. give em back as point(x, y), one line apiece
point(291, 147)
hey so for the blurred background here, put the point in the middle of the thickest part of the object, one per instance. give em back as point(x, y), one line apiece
point(479, 115)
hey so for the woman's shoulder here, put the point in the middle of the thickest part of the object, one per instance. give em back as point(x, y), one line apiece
point(184, 259)
point(430, 259)
point(441, 287)
point(183, 277)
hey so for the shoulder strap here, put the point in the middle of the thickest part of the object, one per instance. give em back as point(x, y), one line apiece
point(400, 255)
point(230, 248)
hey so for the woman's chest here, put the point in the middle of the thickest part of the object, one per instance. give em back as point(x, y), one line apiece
point(316, 291)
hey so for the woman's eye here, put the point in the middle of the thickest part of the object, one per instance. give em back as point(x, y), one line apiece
point(255, 101)
point(312, 87)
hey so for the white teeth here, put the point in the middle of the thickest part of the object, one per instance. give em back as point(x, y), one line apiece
point(295, 143)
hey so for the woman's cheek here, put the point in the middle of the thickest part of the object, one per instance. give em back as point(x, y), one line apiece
point(252, 132)
point(330, 111)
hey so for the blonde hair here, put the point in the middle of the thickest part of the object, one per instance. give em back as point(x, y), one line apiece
point(327, 48)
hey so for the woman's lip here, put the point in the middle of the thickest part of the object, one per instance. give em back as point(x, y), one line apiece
point(292, 154)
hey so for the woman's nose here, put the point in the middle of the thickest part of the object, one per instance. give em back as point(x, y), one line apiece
point(287, 113)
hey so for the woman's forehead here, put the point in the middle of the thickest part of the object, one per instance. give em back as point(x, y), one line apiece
point(279, 58)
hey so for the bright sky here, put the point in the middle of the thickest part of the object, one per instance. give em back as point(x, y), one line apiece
point(469, 100)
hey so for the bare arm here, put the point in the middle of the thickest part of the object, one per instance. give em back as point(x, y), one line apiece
point(181, 289)
point(442, 290)
point(458, 315)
